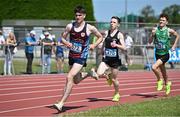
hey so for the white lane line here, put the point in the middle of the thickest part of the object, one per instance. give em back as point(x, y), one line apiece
point(121, 73)
point(30, 80)
point(57, 78)
point(34, 83)
point(83, 83)
point(92, 92)
point(31, 76)
point(79, 101)
point(63, 81)
point(76, 88)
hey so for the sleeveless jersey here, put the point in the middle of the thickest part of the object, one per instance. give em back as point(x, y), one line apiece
point(111, 53)
point(162, 41)
point(80, 42)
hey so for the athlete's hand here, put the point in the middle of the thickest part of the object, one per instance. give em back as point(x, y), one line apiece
point(153, 31)
point(69, 45)
point(91, 46)
point(149, 46)
point(113, 44)
point(173, 48)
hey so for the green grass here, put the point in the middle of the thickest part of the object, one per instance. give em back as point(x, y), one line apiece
point(20, 66)
point(136, 67)
point(160, 107)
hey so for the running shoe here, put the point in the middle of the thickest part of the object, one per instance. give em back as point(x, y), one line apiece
point(58, 107)
point(168, 88)
point(160, 85)
point(93, 74)
point(116, 97)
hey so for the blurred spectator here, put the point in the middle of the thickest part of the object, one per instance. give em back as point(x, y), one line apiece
point(2, 39)
point(30, 41)
point(47, 44)
point(59, 56)
point(172, 66)
point(42, 36)
point(10, 45)
point(51, 36)
point(128, 42)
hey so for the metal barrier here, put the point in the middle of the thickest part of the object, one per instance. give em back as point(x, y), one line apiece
point(139, 53)
point(138, 31)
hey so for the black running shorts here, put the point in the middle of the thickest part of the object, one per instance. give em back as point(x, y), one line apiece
point(163, 58)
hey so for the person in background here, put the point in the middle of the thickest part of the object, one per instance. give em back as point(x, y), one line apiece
point(41, 37)
point(47, 44)
point(2, 40)
point(128, 43)
point(59, 56)
point(160, 35)
point(30, 42)
point(10, 44)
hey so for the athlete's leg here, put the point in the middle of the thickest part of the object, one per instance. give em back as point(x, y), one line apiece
point(155, 68)
point(70, 66)
point(164, 73)
point(114, 80)
point(80, 76)
point(116, 84)
point(69, 84)
point(102, 68)
point(100, 71)
point(166, 82)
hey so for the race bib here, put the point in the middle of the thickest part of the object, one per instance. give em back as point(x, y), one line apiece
point(77, 47)
point(110, 52)
point(160, 45)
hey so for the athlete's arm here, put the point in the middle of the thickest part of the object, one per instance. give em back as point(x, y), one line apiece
point(173, 32)
point(152, 35)
point(65, 34)
point(121, 39)
point(94, 31)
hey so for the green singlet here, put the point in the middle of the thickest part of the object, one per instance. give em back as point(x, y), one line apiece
point(162, 41)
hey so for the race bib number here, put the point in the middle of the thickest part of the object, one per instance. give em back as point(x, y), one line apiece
point(110, 52)
point(77, 47)
point(160, 45)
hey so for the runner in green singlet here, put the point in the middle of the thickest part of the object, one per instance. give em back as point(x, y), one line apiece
point(161, 36)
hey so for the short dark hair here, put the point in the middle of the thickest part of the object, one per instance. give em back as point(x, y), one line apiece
point(80, 9)
point(164, 15)
point(117, 18)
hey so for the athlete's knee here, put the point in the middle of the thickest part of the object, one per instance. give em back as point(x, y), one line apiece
point(115, 81)
point(100, 72)
point(75, 81)
point(154, 67)
point(77, 78)
point(69, 78)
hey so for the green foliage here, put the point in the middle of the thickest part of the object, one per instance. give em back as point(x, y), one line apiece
point(43, 9)
point(173, 12)
point(147, 13)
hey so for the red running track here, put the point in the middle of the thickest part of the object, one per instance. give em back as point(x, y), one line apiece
point(32, 95)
